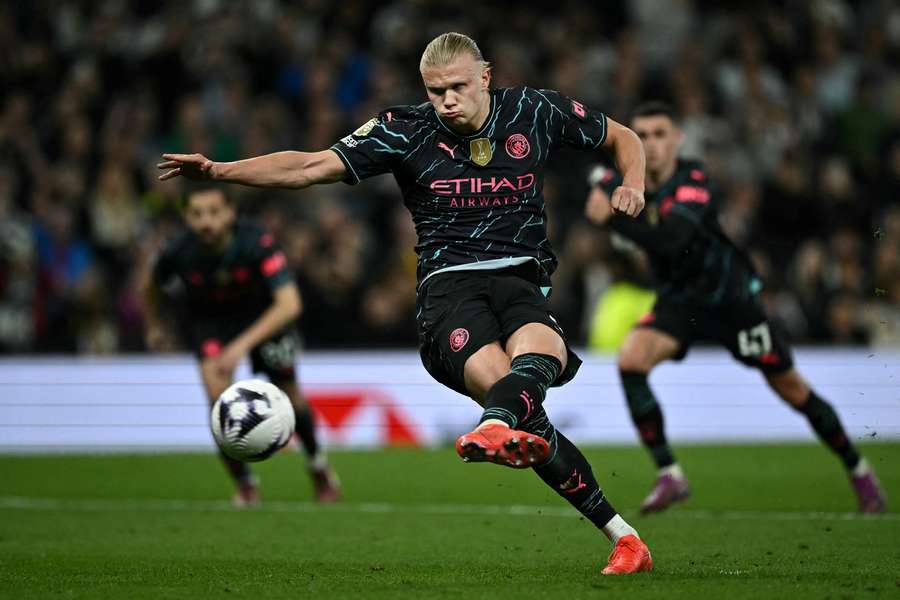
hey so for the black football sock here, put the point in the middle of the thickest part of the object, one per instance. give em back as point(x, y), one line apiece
point(568, 472)
point(239, 471)
point(647, 417)
point(305, 426)
point(516, 396)
point(827, 426)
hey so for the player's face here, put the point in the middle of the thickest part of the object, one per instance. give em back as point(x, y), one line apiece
point(661, 139)
point(209, 216)
point(459, 92)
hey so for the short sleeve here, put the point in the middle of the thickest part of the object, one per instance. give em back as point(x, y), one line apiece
point(272, 262)
point(581, 128)
point(374, 148)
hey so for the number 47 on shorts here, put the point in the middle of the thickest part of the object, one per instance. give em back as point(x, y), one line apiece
point(755, 341)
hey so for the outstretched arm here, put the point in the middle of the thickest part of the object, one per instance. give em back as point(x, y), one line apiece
point(628, 153)
point(287, 169)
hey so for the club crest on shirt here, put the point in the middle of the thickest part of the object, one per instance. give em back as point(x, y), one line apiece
point(366, 127)
point(652, 214)
point(517, 146)
point(480, 151)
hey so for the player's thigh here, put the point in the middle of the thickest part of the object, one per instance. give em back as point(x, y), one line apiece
point(291, 389)
point(207, 338)
point(528, 324)
point(276, 357)
point(646, 347)
point(754, 340)
point(483, 369)
point(455, 323)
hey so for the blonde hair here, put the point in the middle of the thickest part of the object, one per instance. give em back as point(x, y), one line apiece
point(447, 47)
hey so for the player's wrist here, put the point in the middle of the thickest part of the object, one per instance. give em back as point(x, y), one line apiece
point(218, 171)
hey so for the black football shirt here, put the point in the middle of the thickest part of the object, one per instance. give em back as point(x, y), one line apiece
point(476, 200)
point(693, 260)
point(235, 286)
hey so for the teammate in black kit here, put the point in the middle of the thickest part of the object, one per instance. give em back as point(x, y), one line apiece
point(240, 299)
point(470, 166)
point(706, 290)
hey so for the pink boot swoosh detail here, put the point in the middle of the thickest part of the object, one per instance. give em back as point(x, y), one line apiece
point(528, 405)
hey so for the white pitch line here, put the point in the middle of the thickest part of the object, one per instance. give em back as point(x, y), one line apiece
point(515, 510)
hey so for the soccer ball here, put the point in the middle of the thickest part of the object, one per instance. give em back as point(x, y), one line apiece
point(252, 420)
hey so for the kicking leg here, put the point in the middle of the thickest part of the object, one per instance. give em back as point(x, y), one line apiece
point(823, 419)
point(510, 391)
point(569, 474)
point(246, 485)
point(326, 483)
point(642, 350)
point(516, 400)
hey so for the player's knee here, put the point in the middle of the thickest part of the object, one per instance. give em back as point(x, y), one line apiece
point(790, 387)
point(214, 382)
point(483, 369)
point(537, 338)
point(633, 362)
point(292, 391)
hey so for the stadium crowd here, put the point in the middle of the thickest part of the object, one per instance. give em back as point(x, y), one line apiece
point(795, 107)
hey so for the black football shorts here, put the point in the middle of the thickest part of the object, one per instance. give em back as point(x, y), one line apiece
point(275, 357)
point(742, 327)
point(458, 312)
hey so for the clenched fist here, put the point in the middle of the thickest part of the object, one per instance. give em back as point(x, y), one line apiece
point(627, 200)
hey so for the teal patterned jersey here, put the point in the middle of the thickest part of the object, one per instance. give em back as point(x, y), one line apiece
point(476, 200)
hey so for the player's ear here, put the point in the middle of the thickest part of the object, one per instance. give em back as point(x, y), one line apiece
point(486, 77)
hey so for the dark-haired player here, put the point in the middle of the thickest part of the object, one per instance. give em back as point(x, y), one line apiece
point(470, 166)
point(707, 290)
point(240, 299)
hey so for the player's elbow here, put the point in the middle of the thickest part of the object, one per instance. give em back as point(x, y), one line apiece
point(300, 180)
point(306, 175)
point(627, 138)
point(295, 308)
point(620, 136)
point(289, 302)
point(321, 167)
point(318, 174)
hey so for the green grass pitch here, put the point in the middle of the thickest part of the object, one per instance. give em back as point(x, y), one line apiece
point(764, 522)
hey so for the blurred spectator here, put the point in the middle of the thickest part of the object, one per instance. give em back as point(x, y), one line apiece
point(795, 108)
point(114, 211)
point(18, 286)
point(64, 260)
